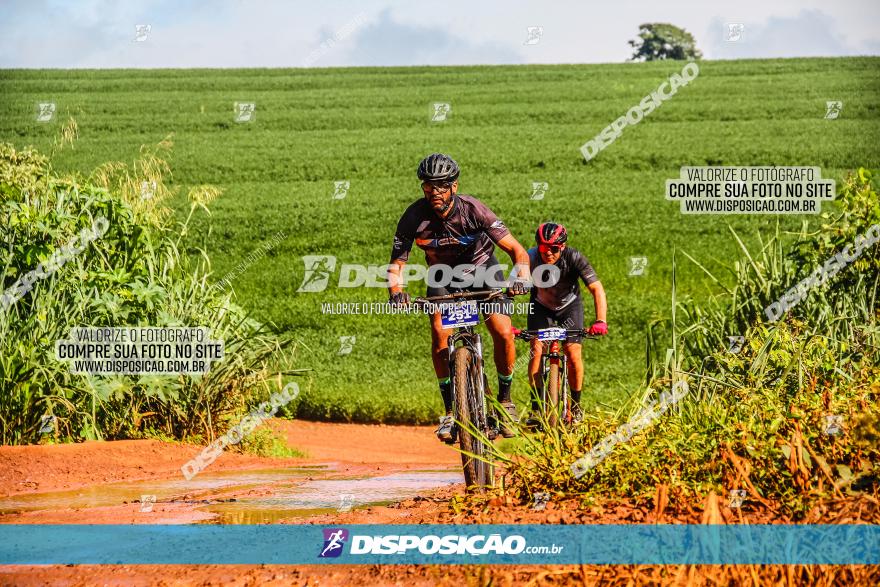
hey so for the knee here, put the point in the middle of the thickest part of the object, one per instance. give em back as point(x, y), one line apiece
point(503, 331)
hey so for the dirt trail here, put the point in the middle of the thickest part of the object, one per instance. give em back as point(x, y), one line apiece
point(355, 448)
point(363, 450)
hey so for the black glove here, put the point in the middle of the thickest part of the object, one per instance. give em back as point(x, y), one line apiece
point(400, 298)
point(519, 287)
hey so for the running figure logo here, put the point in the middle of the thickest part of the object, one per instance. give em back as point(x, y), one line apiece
point(441, 111)
point(637, 265)
point(541, 499)
point(832, 109)
point(735, 344)
point(47, 424)
point(45, 111)
point(318, 270)
point(346, 344)
point(340, 189)
point(245, 111)
point(147, 502)
point(534, 35)
point(539, 188)
point(141, 31)
point(737, 497)
point(832, 424)
point(148, 190)
point(735, 31)
point(334, 540)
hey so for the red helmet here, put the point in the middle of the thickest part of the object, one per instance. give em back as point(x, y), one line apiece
point(551, 233)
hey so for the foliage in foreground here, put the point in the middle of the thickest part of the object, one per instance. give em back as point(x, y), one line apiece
point(761, 420)
point(135, 274)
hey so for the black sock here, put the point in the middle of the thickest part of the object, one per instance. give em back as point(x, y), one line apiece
point(536, 406)
point(504, 382)
point(446, 393)
point(576, 396)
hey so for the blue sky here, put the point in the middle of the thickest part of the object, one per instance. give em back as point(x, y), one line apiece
point(237, 33)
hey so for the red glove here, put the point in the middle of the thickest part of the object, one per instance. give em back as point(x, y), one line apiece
point(599, 328)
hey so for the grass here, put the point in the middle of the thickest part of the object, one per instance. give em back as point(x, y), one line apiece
point(135, 274)
point(757, 419)
point(264, 442)
point(510, 125)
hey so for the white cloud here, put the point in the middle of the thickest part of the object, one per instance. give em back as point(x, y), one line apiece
point(387, 41)
point(273, 33)
point(808, 34)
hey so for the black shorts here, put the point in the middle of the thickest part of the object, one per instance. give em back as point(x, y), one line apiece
point(571, 317)
point(486, 308)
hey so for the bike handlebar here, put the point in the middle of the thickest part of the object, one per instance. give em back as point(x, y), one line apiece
point(480, 296)
point(532, 334)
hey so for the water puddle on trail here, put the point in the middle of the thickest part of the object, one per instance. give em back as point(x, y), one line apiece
point(247, 497)
point(324, 496)
point(165, 490)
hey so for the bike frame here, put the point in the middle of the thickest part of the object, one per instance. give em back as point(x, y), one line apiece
point(555, 356)
point(552, 354)
point(466, 336)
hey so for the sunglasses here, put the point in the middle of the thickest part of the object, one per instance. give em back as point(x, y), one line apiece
point(550, 248)
point(437, 187)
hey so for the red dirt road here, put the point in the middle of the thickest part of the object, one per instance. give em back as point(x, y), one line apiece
point(355, 447)
point(363, 450)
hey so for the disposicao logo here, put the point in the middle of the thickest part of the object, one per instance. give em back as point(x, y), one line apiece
point(334, 540)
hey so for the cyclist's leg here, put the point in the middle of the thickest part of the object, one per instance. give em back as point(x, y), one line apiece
point(439, 346)
point(534, 367)
point(440, 358)
point(575, 368)
point(501, 329)
point(539, 317)
point(573, 317)
point(497, 315)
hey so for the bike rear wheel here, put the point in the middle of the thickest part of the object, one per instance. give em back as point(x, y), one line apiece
point(469, 413)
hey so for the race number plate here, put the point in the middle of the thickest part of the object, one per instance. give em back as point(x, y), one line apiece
point(551, 334)
point(459, 315)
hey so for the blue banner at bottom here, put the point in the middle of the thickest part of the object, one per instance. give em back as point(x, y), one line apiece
point(440, 544)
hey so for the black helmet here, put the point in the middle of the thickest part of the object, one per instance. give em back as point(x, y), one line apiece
point(438, 167)
point(551, 233)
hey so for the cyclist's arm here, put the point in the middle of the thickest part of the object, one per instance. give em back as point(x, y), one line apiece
point(403, 242)
point(395, 270)
point(599, 300)
point(591, 280)
point(518, 255)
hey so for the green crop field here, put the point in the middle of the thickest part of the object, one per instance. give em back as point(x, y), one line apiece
point(509, 126)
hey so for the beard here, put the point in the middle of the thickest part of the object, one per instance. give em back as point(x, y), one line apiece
point(440, 204)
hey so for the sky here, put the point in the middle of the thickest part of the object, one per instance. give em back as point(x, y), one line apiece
point(264, 33)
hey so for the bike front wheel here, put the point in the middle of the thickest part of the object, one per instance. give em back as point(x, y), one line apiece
point(553, 386)
point(470, 413)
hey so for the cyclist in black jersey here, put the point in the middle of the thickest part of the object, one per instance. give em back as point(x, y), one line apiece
point(459, 231)
point(561, 304)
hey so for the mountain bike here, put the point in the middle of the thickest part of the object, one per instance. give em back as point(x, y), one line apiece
point(459, 311)
point(556, 402)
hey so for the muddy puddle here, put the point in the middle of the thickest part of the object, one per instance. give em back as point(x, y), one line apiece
point(320, 496)
point(245, 497)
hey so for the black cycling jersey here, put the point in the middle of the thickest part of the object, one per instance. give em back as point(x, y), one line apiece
point(466, 236)
point(573, 265)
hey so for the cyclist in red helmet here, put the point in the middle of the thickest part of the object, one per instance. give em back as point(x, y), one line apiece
point(459, 230)
point(561, 305)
